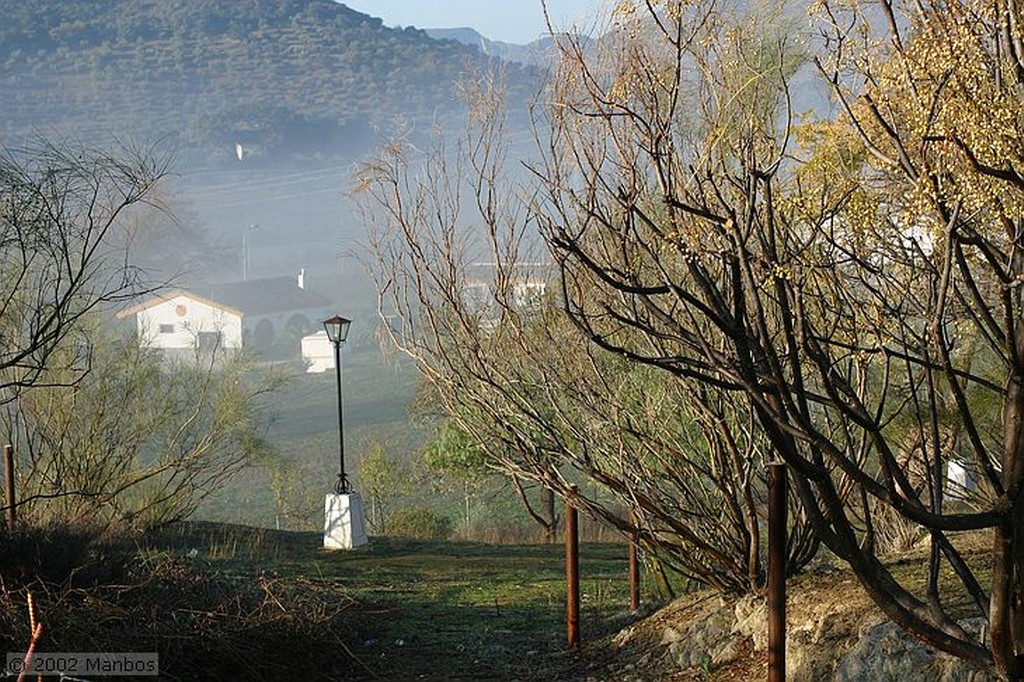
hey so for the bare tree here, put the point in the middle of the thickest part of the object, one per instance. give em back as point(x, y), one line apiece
point(63, 253)
point(105, 430)
point(463, 276)
point(858, 285)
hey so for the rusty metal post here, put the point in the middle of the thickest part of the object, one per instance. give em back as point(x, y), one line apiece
point(634, 578)
point(634, 566)
point(12, 516)
point(572, 572)
point(776, 572)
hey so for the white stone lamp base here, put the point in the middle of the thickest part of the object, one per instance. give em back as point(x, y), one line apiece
point(344, 527)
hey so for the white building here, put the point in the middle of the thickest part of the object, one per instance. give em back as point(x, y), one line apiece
point(183, 321)
point(960, 481)
point(525, 287)
point(318, 352)
point(260, 313)
point(274, 309)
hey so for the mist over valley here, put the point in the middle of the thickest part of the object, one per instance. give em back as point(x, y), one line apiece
point(265, 105)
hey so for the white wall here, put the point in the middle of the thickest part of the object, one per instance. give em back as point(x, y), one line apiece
point(177, 322)
point(318, 352)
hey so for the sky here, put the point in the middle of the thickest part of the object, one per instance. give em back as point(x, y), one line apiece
point(512, 21)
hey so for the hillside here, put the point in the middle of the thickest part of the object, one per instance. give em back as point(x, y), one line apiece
point(283, 78)
point(535, 53)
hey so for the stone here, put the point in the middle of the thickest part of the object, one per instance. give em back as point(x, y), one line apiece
point(727, 651)
point(880, 652)
point(670, 636)
point(701, 641)
point(624, 636)
point(752, 621)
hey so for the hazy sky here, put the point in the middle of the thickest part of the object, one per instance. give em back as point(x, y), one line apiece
point(514, 21)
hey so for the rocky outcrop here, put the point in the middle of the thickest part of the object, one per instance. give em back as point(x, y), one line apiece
point(883, 651)
point(826, 641)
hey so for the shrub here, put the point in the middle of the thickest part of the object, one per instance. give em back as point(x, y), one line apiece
point(420, 523)
point(75, 555)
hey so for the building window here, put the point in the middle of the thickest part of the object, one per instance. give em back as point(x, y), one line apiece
point(167, 329)
point(208, 341)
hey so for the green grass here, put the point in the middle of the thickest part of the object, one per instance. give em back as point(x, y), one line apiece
point(375, 393)
point(433, 610)
point(304, 433)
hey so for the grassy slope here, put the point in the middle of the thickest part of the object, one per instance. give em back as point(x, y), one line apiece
point(304, 434)
point(421, 610)
point(229, 602)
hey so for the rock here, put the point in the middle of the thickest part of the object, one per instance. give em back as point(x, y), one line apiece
point(831, 642)
point(670, 636)
point(624, 636)
point(804, 661)
point(727, 651)
point(827, 628)
point(884, 652)
point(814, 647)
point(752, 621)
point(880, 652)
point(703, 640)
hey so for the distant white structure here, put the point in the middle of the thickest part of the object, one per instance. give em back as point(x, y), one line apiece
point(318, 352)
point(257, 312)
point(528, 292)
point(183, 321)
point(959, 480)
point(526, 284)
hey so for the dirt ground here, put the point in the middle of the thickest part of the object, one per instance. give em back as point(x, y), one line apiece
point(828, 604)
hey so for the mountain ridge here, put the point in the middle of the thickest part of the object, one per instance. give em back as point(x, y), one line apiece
point(533, 53)
point(279, 77)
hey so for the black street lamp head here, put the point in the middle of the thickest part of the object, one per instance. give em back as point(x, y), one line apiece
point(337, 329)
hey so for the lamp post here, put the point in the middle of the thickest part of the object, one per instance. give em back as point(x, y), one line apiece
point(337, 332)
point(246, 239)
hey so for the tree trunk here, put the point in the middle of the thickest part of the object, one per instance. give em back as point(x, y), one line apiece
point(549, 506)
point(1005, 607)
